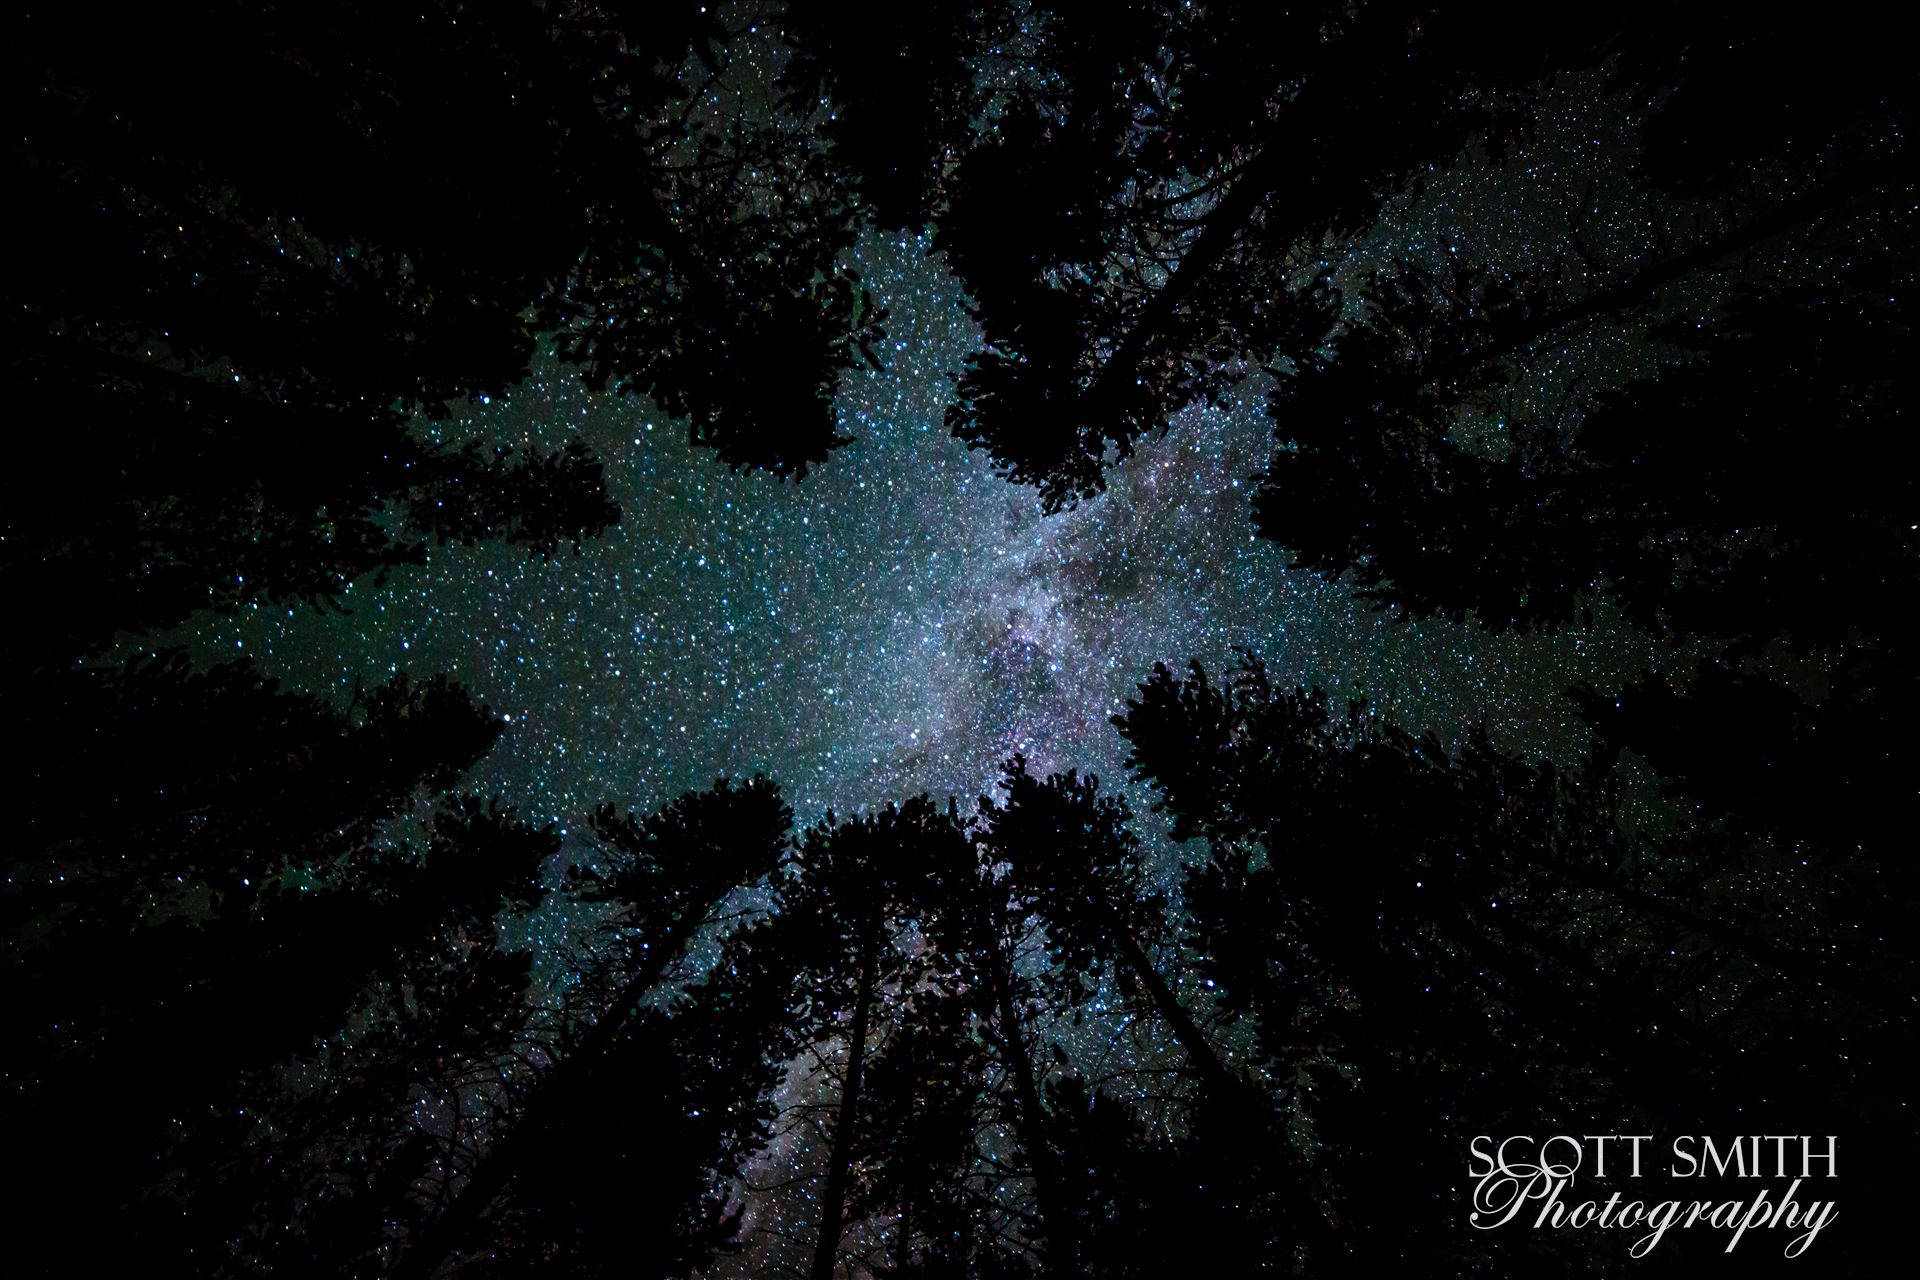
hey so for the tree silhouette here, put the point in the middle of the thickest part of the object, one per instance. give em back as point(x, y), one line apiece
point(1688, 498)
point(920, 1121)
point(364, 1152)
point(254, 302)
point(1073, 861)
point(270, 1017)
point(904, 90)
point(1376, 478)
point(153, 779)
point(1425, 945)
point(838, 911)
point(628, 1172)
point(1128, 223)
point(974, 922)
point(236, 989)
point(675, 866)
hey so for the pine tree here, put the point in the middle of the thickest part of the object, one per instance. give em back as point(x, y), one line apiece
point(187, 1016)
point(673, 868)
point(1073, 860)
point(921, 1120)
point(153, 780)
point(239, 312)
point(1652, 498)
point(904, 89)
point(1426, 944)
point(1129, 221)
point(974, 924)
point(838, 914)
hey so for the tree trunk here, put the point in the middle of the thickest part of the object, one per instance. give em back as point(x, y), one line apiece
point(1649, 280)
point(446, 1233)
point(1056, 1219)
point(833, 1201)
point(1279, 155)
point(1200, 1052)
point(1224, 223)
point(903, 1237)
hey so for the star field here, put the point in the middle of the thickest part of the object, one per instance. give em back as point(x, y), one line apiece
point(900, 621)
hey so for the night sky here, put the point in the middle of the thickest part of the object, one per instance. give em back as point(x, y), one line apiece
point(902, 620)
point(899, 621)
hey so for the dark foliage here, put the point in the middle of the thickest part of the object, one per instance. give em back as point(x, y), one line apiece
point(1424, 945)
point(240, 308)
point(695, 1076)
point(1122, 187)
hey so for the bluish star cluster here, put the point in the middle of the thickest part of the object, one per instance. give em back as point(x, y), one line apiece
point(900, 621)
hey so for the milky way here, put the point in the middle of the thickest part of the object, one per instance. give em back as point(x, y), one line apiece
point(900, 621)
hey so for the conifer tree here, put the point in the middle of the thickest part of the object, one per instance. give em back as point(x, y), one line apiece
point(922, 1116)
point(1426, 944)
point(672, 869)
point(239, 313)
point(237, 994)
point(1130, 221)
point(971, 919)
point(839, 912)
point(1073, 860)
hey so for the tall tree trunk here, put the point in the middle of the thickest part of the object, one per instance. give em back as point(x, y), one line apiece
point(1280, 154)
point(1056, 1218)
point(1257, 1128)
point(1200, 1051)
point(1222, 227)
point(833, 1202)
point(443, 1235)
point(903, 1237)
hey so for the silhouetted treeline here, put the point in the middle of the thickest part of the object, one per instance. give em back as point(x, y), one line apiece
point(1378, 948)
point(272, 1031)
point(1707, 436)
point(1140, 196)
point(206, 884)
point(1158, 207)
